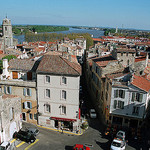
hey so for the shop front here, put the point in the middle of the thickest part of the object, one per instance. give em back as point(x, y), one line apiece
point(64, 123)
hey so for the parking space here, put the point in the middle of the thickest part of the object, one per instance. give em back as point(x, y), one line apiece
point(20, 145)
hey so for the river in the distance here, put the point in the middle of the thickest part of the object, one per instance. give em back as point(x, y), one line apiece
point(95, 33)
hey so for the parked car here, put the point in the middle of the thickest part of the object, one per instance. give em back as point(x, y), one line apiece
point(118, 144)
point(121, 134)
point(5, 146)
point(81, 147)
point(92, 113)
point(33, 131)
point(24, 136)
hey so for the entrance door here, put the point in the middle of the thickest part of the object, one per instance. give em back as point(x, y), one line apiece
point(24, 116)
point(56, 123)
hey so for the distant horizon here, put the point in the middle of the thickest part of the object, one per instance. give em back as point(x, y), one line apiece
point(129, 14)
point(83, 26)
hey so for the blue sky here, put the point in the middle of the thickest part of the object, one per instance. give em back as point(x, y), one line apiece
point(104, 13)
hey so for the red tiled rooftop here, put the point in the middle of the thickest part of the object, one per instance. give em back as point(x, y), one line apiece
point(140, 59)
point(141, 83)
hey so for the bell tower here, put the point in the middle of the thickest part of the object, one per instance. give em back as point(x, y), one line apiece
point(7, 32)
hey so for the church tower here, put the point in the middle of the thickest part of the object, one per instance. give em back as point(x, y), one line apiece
point(7, 33)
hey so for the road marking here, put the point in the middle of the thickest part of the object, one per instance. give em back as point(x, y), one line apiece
point(20, 144)
point(13, 141)
point(31, 144)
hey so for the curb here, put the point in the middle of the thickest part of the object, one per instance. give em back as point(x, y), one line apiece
point(60, 131)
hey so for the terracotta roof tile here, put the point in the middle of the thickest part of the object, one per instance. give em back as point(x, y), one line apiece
point(141, 83)
point(55, 64)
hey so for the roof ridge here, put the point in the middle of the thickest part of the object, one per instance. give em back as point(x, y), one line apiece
point(65, 60)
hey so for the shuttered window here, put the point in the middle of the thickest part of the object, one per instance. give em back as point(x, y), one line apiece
point(27, 92)
point(7, 90)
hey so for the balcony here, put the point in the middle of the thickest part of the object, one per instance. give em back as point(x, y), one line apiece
point(17, 82)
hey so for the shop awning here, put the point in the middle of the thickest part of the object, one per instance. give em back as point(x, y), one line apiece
point(62, 119)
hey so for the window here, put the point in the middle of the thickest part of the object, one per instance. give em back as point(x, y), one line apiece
point(137, 97)
point(118, 104)
point(27, 105)
point(48, 93)
point(135, 110)
point(63, 109)
point(7, 90)
point(30, 116)
point(47, 79)
point(119, 93)
point(126, 54)
point(27, 91)
point(5, 28)
point(11, 113)
point(121, 54)
point(107, 86)
point(115, 104)
point(35, 116)
point(63, 94)
point(64, 80)
point(47, 108)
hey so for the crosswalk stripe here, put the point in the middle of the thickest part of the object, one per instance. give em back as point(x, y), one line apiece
point(31, 144)
point(20, 144)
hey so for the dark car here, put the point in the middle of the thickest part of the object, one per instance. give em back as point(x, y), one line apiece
point(24, 136)
point(33, 131)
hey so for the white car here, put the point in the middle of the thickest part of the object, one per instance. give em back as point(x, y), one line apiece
point(118, 144)
point(121, 134)
point(5, 146)
point(92, 113)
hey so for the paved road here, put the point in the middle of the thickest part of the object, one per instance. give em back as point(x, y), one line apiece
point(51, 140)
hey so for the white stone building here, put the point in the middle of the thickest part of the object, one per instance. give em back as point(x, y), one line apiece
point(129, 102)
point(10, 116)
point(58, 82)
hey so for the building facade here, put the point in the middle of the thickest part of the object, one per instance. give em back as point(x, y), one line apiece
point(10, 116)
point(58, 83)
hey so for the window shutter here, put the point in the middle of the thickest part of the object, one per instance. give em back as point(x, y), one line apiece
point(5, 89)
point(30, 105)
point(123, 94)
point(122, 105)
point(25, 104)
point(115, 103)
point(24, 91)
point(30, 93)
point(141, 97)
point(133, 97)
point(10, 89)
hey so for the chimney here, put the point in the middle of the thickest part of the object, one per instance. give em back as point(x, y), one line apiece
point(5, 68)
